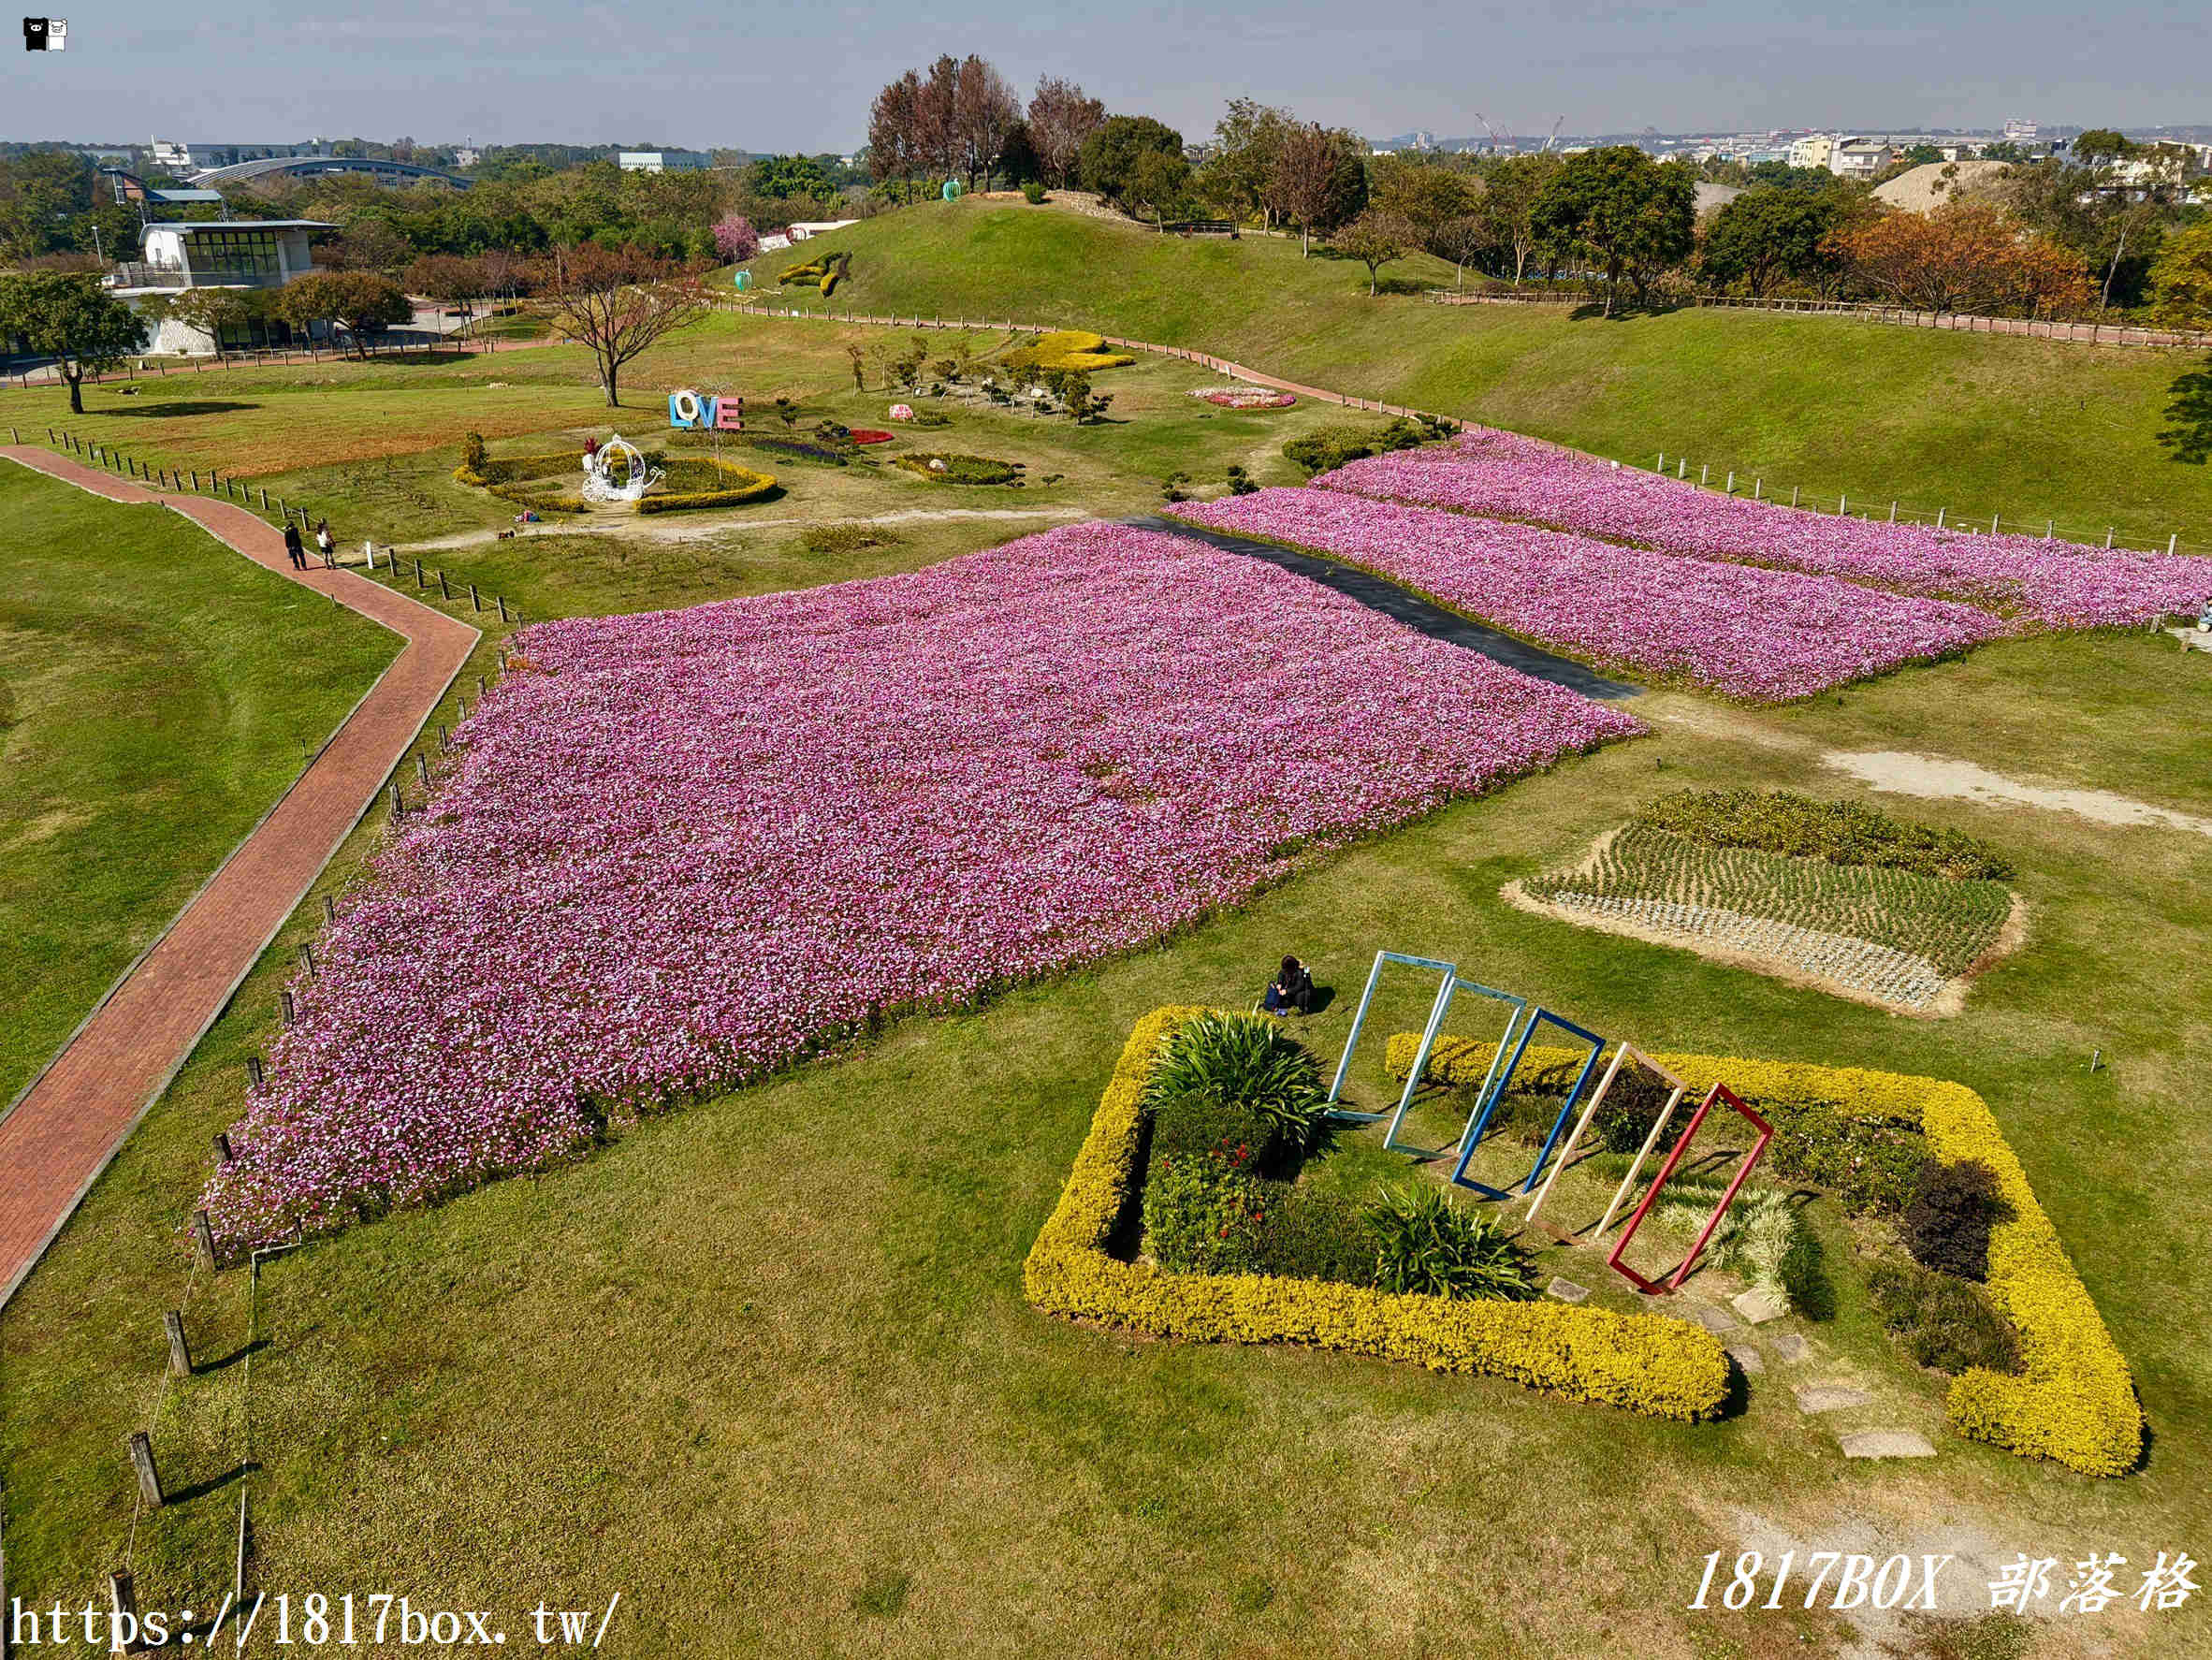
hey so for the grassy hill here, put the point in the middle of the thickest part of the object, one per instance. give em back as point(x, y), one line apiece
point(2030, 430)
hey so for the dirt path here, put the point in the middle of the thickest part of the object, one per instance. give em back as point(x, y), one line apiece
point(1940, 779)
point(61, 1132)
point(653, 530)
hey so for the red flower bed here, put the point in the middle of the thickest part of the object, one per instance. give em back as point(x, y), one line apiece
point(870, 435)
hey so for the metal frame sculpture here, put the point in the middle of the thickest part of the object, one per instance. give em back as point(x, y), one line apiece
point(1720, 1092)
point(599, 472)
point(1492, 1085)
point(1622, 1055)
point(1478, 1123)
point(1644, 1152)
point(1344, 1064)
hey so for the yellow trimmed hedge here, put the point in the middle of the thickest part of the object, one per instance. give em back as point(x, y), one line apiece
point(1069, 348)
point(2075, 1401)
point(1638, 1362)
point(738, 485)
point(510, 469)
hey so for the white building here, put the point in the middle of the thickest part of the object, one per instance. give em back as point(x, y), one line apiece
point(1860, 158)
point(213, 253)
point(1812, 150)
point(663, 161)
point(2017, 129)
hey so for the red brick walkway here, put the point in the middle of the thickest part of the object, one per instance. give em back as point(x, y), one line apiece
point(76, 1115)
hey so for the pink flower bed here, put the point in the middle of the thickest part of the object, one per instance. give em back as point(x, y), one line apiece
point(2058, 584)
point(683, 850)
point(1247, 398)
point(1762, 635)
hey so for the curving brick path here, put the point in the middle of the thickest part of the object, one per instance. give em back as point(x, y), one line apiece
point(61, 1132)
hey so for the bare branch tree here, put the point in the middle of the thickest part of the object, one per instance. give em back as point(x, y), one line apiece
point(986, 112)
point(618, 301)
point(1060, 119)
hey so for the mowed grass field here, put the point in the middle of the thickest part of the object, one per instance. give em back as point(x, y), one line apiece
point(764, 1366)
point(158, 694)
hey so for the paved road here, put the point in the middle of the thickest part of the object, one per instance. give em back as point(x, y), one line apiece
point(1420, 615)
point(64, 1129)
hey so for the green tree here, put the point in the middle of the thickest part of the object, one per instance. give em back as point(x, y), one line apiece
point(1631, 216)
point(1510, 191)
point(1157, 184)
point(1424, 196)
point(2181, 281)
point(1766, 236)
point(1374, 240)
point(361, 303)
point(777, 177)
point(1108, 158)
point(71, 319)
point(1247, 141)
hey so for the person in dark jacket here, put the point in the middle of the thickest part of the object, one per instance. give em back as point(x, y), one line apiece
point(293, 550)
point(1291, 988)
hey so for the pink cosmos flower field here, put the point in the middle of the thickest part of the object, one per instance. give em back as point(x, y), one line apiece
point(679, 850)
point(2056, 584)
point(1762, 635)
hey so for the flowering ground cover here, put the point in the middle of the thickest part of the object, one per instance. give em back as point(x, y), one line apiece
point(1762, 635)
point(2058, 584)
point(679, 849)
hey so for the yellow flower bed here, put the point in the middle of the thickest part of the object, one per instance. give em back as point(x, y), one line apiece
point(2075, 1401)
point(1638, 1362)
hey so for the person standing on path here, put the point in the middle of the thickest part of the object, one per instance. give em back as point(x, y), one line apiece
point(293, 550)
point(325, 542)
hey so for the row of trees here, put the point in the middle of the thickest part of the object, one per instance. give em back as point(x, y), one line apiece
point(960, 119)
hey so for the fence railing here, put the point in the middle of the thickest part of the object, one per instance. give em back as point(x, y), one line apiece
point(2094, 334)
point(153, 366)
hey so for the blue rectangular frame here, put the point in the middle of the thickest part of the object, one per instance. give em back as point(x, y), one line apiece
point(1515, 1009)
point(1478, 1123)
point(1343, 1065)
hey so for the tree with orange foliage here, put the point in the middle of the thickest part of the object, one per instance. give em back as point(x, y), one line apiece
point(1965, 257)
point(618, 301)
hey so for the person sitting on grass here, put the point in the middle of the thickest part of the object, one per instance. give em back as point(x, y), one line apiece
point(1291, 988)
point(2205, 616)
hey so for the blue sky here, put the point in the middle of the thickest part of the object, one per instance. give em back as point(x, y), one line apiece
point(778, 75)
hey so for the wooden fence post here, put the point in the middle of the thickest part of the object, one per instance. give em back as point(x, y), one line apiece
point(291, 1008)
point(443, 589)
point(179, 1351)
point(149, 1478)
point(307, 958)
point(203, 1239)
point(221, 1143)
point(255, 1072)
point(398, 802)
point(422, 769)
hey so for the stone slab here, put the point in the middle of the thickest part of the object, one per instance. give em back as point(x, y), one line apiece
point(1566, 1291)
point(1885, 1444)
point(1790, 1348)
point(1748, 1356)
point(1757, 1308)
point(1713, 1319)
point(1829, 1397)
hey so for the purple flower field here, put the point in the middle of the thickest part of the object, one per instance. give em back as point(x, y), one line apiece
point(681, 849)
point(2058, 584)
point(1761, 635)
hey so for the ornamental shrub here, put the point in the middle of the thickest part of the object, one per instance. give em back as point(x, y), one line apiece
point(1946, 1227)
point(1248, 1060)
point(1032, 192)
point(1202, 1216)
point(1200, 1123)
point(1327, 448)
point(1425, 1243)
point(473, 454)
point(1308, 1232)
point(1944, 1322)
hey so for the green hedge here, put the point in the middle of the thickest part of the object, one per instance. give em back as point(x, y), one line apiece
point(2075, 1400)
point(1638, 1362)
point(961, 469)
point(1841, 832)
point(704, 482)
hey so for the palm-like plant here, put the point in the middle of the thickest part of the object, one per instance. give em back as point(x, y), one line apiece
point(1242, 1060)
point(1424, 1242)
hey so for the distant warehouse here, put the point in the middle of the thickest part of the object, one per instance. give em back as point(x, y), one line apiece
point(663, 161)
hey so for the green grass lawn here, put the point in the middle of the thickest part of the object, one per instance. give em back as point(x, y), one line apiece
point(157, 694)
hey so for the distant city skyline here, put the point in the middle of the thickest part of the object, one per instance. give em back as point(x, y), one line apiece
point(787, 76)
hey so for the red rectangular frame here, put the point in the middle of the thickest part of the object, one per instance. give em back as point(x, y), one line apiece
point(1719, 1092)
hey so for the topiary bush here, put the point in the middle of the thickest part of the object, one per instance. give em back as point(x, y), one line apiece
point(1426, 1243)
point(1944, 1322)
point(1947, 1226)
point(1329, 447)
